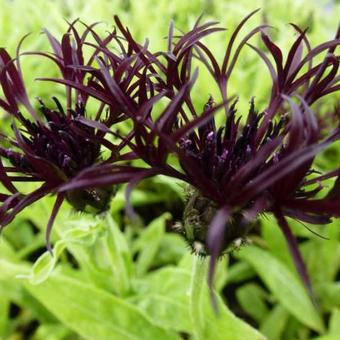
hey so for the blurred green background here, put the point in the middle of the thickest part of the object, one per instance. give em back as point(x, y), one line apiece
point(113, 280)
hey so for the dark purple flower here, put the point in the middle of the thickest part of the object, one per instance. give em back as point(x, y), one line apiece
point(234, 171)
point(57, 144)
point(237, 171)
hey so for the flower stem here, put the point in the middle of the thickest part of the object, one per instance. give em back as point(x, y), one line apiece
point(198, 279)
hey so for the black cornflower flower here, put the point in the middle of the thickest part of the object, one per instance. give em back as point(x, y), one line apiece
point(234, 172)
point(49, 149)
point(54, 146)
point(239, 170)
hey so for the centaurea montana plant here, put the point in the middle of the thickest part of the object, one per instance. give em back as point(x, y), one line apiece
point(234, 172)
point(239, 171)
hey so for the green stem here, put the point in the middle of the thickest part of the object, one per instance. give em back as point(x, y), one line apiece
point(198, 279)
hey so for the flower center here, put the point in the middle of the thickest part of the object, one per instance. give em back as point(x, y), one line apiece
point(57, 151)
point(66, 143)
point(198, 214)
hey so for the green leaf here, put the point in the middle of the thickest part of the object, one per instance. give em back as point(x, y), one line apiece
point(4, 312)
point(328, 337)
point(45, 265)
point(196, 295)
point(331, 295)
point(221, 274)
point(334, 323)
point(164, 296)
point(175, 185)
point(318, 252)
point(334, 327)
point(171, 249)
point(119, 255)
point(9, 270)
point(274, 324)
point(94, 313)
point(275, 241)
point(225, 325)
point(138, 198)
point(149, 243)
point(52, 332)
point(6, 251)
point(240, 271)
point(83, 232)
point(252, 299)
point(287, 289)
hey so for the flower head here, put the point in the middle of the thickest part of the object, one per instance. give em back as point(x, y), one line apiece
point(234, 171)
point(58, 143)
point(242, 168)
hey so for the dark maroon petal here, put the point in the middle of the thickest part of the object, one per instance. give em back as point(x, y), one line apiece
point(277, 55)
point(145, 109)
point(297, 127)
point(214, 69)
point(267, 62)
point(294, 250)
point(15, 91)
point(9, 203)
point(202, 119)
point(4, 197)
point(67, 55)
point(99, 176)
point(243, 42)
point(25, 179)
point(54, 43)
point(329, 90)
point(169, 115)
point(6, 218)
point(170, 36)
point(133, 182)
point(215, 239)
point(194, 173)
point(6, 106)
point(56, 207)
point(232, 40)
point(305, 217)
point(309, 48)
point(244, 172)
point(259, 206)
point(188, 42)
point(115, 90)
point(44, 167)
point(294, 56)
point(194, 35)
point(281, 169)
point(329, 207)
point(5, 180)
point(335, 191)
point(47, 55)
point(333, 173)
point(92, 92)
point(147, 58)
point(103, 180)
point(312, 54)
